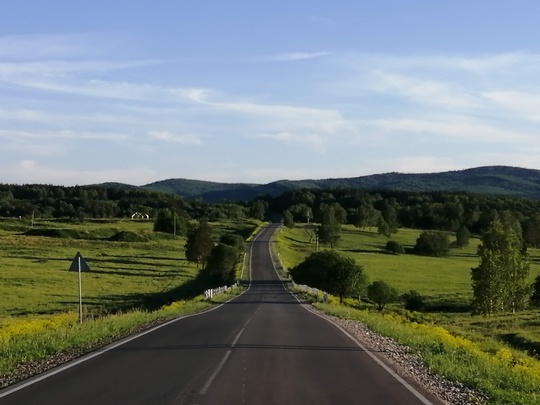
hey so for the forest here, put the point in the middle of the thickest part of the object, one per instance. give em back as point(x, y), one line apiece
point(433, 210)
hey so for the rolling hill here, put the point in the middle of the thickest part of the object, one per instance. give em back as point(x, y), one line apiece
point(501, 180)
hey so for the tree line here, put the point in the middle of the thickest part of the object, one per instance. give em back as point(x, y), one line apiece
point(47, 201)
point(389, 210)
point(386, 210)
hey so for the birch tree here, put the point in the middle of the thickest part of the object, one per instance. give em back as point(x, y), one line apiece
point(500, 281)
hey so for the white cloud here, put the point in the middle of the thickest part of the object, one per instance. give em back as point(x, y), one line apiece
point(476, 64)
point(313, 141)
point(184, 139)
point(524, 104)
point(431, 92)
point(453, 128)
point(65, 46)
point(292, 56)
point(62, 134)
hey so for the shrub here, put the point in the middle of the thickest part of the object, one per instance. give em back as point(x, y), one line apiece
point(431, 243)
point(394, 247)
point(381, 293)
point(331, 272)
point(413, 301)
point(233, 240)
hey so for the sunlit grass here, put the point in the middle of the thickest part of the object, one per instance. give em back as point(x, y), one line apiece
point(35, 280)
point(39, 305)
point(497, 355)
point(442, 281)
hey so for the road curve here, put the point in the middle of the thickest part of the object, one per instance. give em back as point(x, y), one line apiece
point(262, 347)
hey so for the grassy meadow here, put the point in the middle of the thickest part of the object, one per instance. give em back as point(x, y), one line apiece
point(444, 282)
point(497, 355)
point(131, 266)
point(138, 277)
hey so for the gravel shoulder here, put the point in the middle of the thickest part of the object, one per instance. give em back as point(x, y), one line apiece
point(407, 365)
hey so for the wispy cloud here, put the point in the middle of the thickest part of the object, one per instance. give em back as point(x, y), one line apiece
point(292, 56)
point(432, 92)
point(184, 139)
point(63, 134)
point(313, 141)
point(59, 46)
point(453, 128)
point(50, 69)
point(524, 104)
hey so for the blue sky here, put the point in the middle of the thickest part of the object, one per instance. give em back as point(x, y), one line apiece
point(253, 92)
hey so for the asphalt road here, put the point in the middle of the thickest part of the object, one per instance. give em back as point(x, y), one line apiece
point(263, 347)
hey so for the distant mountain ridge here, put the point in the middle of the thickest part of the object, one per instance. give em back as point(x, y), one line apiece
point(501, 180)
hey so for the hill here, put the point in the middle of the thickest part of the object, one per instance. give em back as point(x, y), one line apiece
point(490, 180)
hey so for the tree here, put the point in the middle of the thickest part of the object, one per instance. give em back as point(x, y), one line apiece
point(463, 236)
point(499, 282)
point(258, 209)
point(381, 293)
point(288, 219)
point(383, 228)
point(432, 243)
point(199, 243)
point(366, 216)
point(535, 297)
point(169, 222)
point(389, 215)
point(531, 231)
point(329, 271)
point(222, 263)
point(330, 228)
point(234, 240)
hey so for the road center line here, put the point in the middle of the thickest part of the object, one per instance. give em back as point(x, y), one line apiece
point(237, 337)
point(204, 389)
point(206, 386)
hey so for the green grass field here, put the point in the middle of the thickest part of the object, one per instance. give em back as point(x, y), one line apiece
point(497, 355)
point(444, 282)
point(131, 266)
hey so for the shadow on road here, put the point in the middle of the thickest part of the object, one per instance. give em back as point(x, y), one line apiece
point(240, 347)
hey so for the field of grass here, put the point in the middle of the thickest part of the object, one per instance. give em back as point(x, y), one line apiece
point(138, 277)
point(498, 355)
point(444, 282)
point(131, 266)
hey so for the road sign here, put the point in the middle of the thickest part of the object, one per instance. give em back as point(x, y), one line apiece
point(79, 264)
